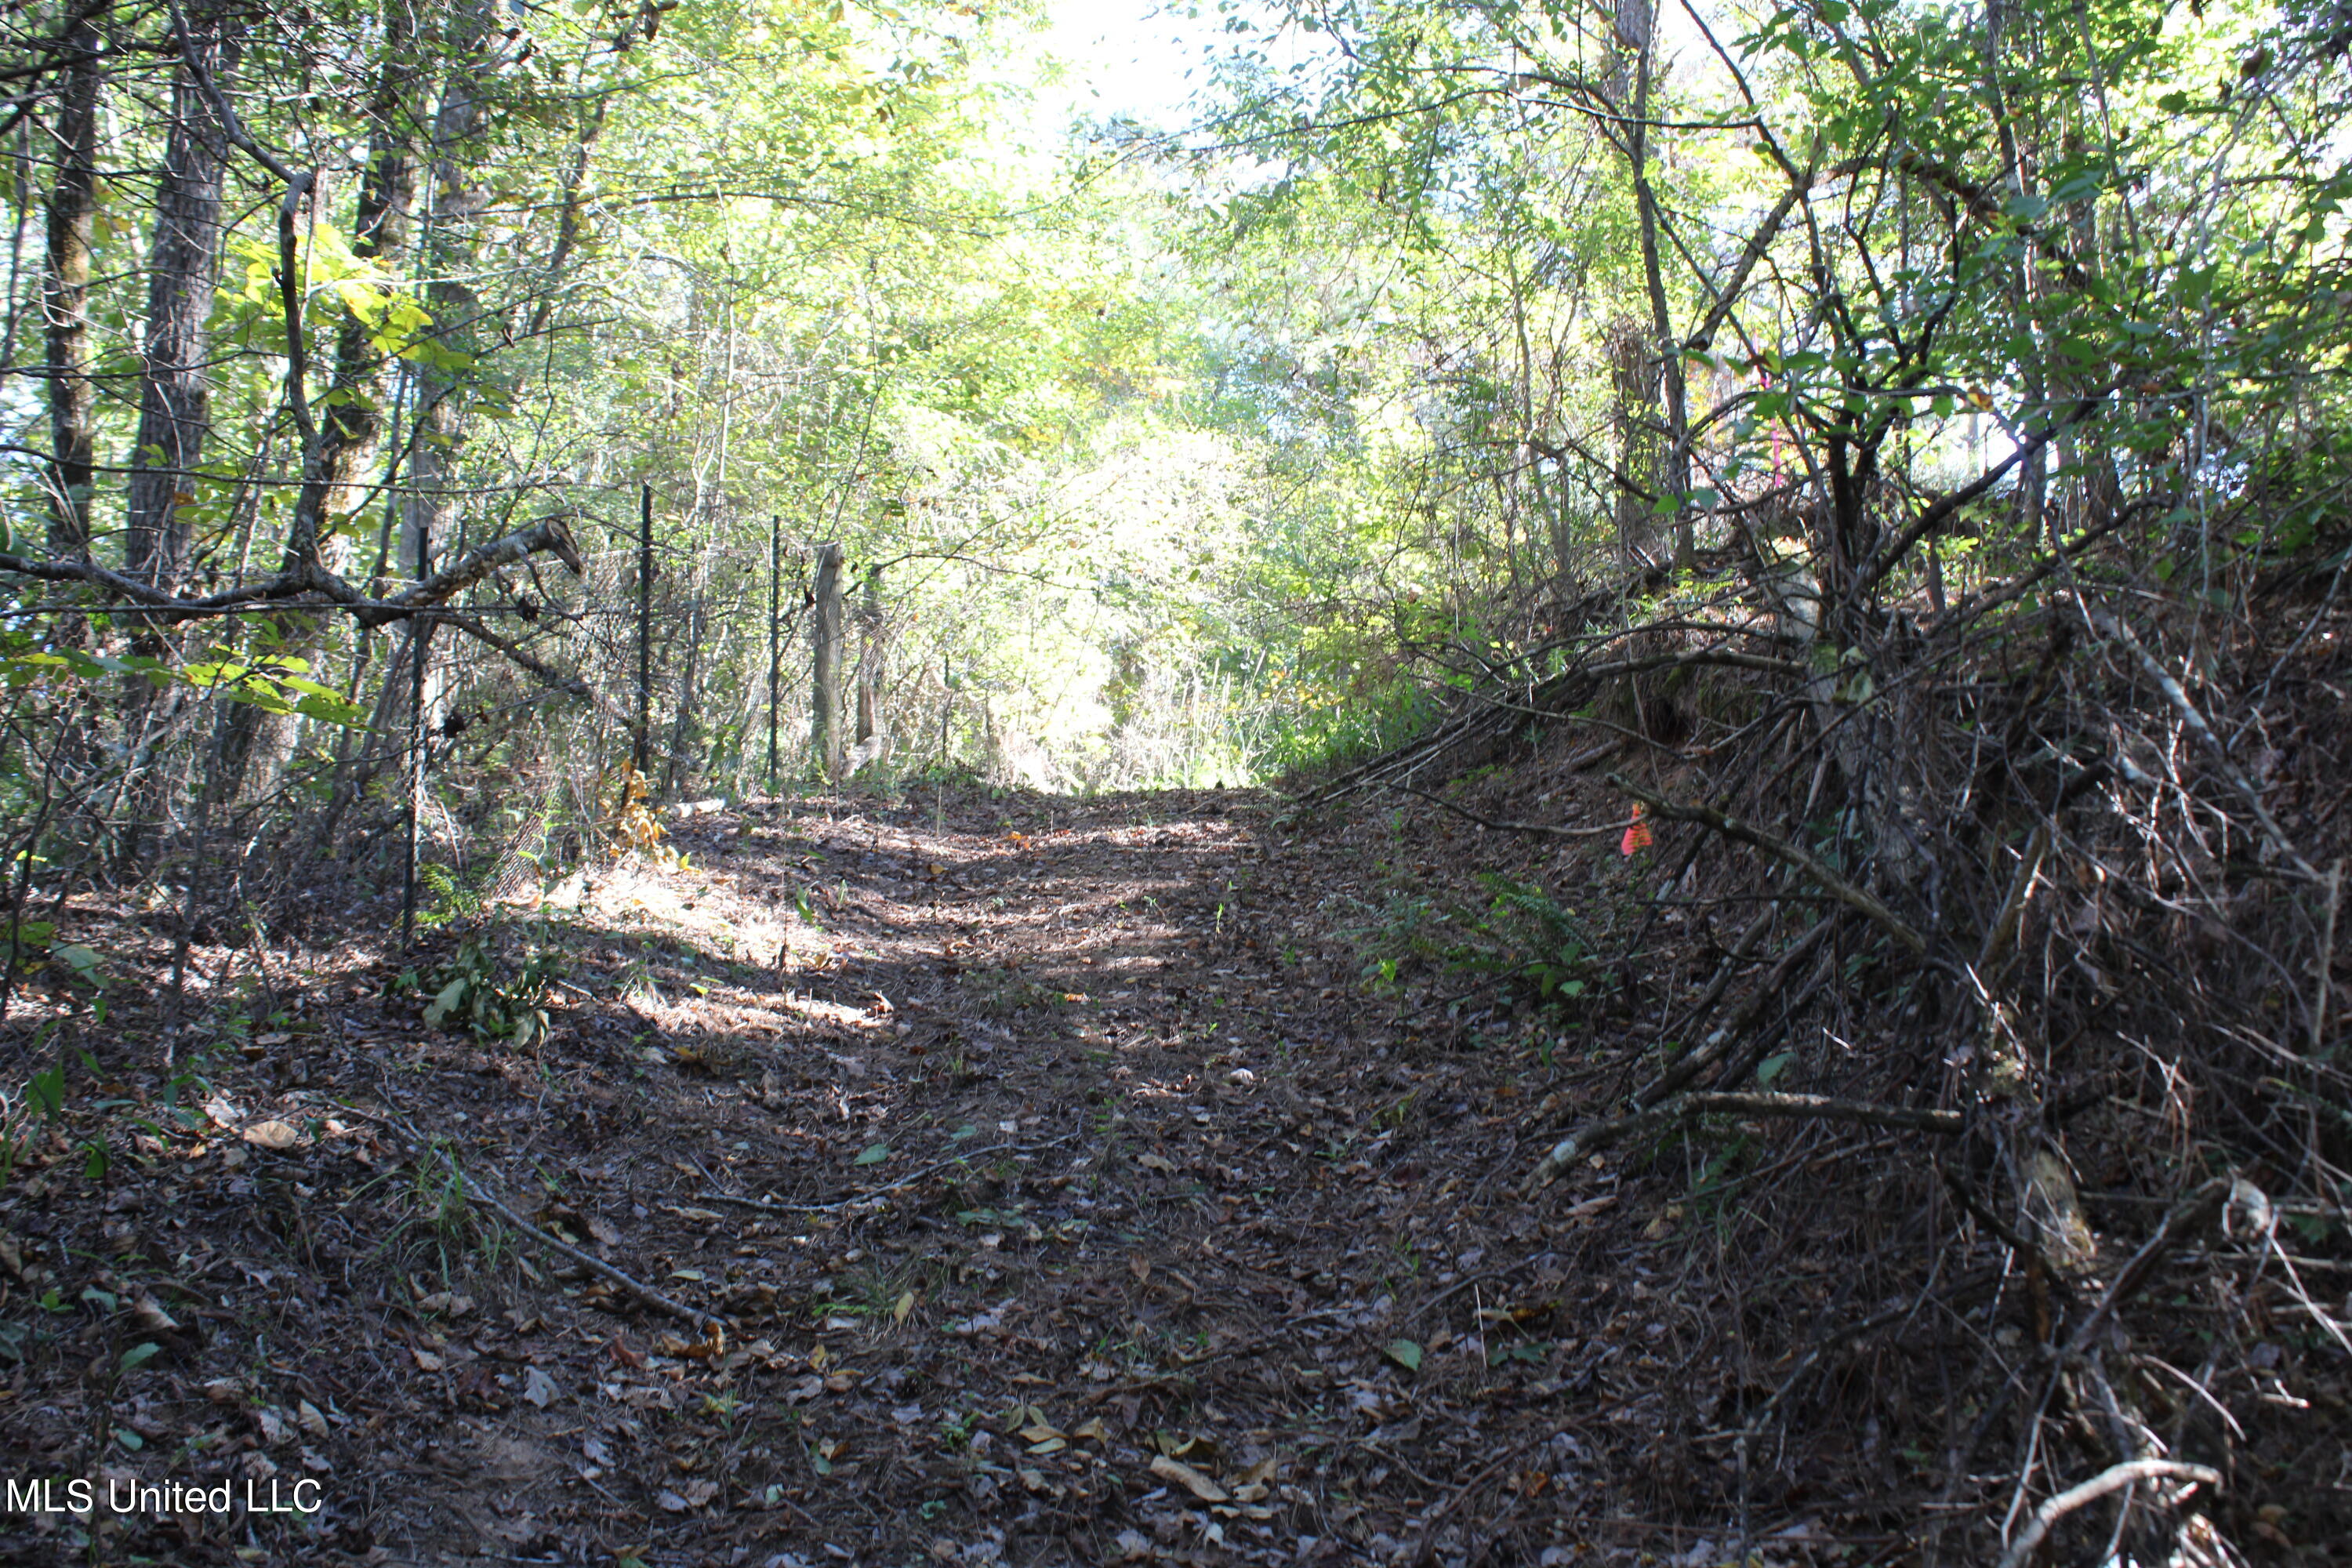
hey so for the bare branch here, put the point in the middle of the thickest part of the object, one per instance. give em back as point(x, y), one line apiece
point(1803, 1107)
point(2115, 1478)
point(1781, 850)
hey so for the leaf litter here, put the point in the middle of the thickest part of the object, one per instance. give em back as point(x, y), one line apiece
point(1210, 1252)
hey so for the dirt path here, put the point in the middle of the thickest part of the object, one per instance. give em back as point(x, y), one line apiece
point(1119, 1224)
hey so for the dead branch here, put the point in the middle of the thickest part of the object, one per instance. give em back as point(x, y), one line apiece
point(1781, 850)
point(594, 1264)
point(1804, 1107)
point(570, 685)
point(2184, 1216)
point(768, 1206)
point(549, 535)
point(1719, 1044)
point(477, 1193)
point(2115, 1478)
point(2116, 631)
point(1467, 815)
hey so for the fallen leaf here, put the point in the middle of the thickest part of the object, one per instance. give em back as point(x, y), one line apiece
point(873, 1154)
point(906, 1305)
point(1406, 1353)
point(1190, 1479)
point(307, 1415)
point(150, 1315)
point(1157, 1162)
point(272, 1134)
point(426, 1360)
point(1255, 1482)
point(539, 1388)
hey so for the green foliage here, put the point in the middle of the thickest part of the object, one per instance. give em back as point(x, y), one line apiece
point(494, 999)
point(1536, 941)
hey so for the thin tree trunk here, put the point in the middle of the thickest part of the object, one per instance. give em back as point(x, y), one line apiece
point(872, 656)
point(642, 754)
point(260, 744)
point(1674, 476)
point(689, 676)
point(775, 640)
point(174, 403)
point(182, 266)
point(72, 209)
point(824, 685)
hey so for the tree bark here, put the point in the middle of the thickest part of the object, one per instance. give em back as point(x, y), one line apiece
point(183, 265)
point(824, 685)
point(1673, 475)
point(872, 666)
point(431, 511)
point(72, 209)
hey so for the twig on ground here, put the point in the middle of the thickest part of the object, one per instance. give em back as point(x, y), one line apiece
point(2115, 1478)
point(1811, 1106)
point(767, 1205)
point(588, 1260)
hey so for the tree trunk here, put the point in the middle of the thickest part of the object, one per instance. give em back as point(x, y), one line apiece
point(871, 658)
point(1634, 407)
point(260, 744)
point(72, 208)
point(824, 685)
point(1672, 474)
point(690, 679)
point(183, 265)
point(174, 412)
point(431, 511)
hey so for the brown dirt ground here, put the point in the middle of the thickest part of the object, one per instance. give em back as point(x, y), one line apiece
point(1128, 1222)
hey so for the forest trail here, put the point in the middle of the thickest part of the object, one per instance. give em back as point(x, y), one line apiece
point(1121, 1224)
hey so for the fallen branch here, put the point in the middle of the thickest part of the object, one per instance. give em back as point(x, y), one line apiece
point(2115, 1478)
point(768, 1206)
point(2184, 1216)
point(1467, 815)
point(590, 1261)
point(1781, 850)
point(477, 1193)
point(570, 685)
point(2173, 693)
point(1718, 1045)
point(1804, 1107)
